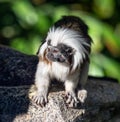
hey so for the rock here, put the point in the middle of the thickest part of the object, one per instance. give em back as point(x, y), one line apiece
point(16, 68)
point(17, 71)
point(101, 105)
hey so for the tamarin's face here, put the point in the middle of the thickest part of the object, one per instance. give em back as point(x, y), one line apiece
point(60, 53)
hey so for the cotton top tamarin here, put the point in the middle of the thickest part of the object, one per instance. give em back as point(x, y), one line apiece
point(64, 55)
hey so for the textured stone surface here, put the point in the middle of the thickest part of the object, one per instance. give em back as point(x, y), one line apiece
point(16, 68)
point(102, 105)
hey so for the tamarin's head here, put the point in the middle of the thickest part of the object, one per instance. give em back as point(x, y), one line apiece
point(61, 53)
point(67, 42)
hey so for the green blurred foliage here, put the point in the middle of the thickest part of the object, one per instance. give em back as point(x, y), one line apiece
point(25, 23)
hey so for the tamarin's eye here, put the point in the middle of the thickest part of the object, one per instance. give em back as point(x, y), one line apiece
point(69, 50)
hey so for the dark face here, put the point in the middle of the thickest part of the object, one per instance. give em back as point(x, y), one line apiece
point(61, 53)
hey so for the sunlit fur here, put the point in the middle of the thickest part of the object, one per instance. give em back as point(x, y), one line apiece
point(72, 32)
point(71, 38)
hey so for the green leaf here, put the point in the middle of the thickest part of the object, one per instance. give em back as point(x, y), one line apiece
point(25, 12)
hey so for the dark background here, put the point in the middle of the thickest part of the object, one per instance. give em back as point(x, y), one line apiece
point(24, 23)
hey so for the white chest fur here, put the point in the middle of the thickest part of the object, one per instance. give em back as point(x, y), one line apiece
point(59, 71)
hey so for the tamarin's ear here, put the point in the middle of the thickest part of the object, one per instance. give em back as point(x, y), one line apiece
point(43, 41)
point(38, 51)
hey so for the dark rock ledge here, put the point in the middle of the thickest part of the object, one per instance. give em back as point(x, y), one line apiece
point(102, 104)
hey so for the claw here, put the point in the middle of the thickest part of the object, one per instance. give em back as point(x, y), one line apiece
point(40, 99)
point(71, 99)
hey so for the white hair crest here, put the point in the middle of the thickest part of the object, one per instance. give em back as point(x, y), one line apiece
point(71, 38)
